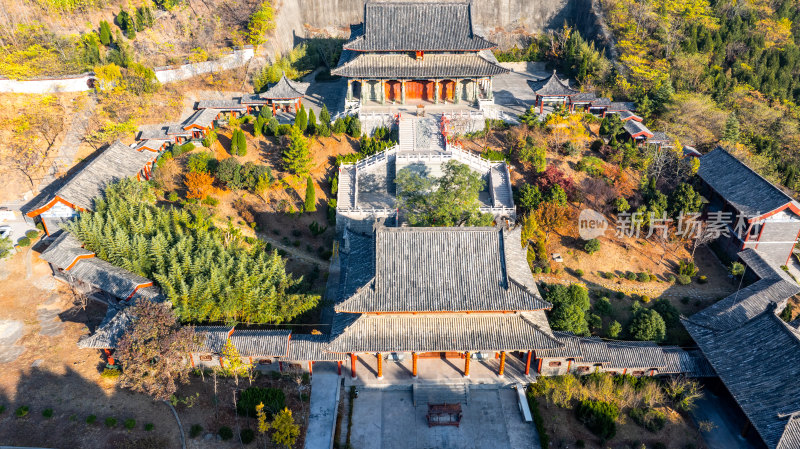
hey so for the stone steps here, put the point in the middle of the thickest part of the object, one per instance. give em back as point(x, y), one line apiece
point(501, 193)
point(440, 394)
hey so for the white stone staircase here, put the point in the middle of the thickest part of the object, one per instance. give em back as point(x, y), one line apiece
point(407, 134)
point(346, 195)
point(501, 190)
point(440, 393)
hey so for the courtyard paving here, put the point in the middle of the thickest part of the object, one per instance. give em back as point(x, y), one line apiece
point(387, 419)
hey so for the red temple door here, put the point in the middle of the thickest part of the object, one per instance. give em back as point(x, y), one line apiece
point(447, 90)
point(393, 91)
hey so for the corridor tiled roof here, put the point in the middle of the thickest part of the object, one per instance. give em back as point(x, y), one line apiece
point(447, 270)
point(262, 343)
point(423, 26)
point(740, 185)
point(395, 66)
point(109, 332)
point(64, 251)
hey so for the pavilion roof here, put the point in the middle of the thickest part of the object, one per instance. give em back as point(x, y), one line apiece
point(441, 332)
point(553, 86)
point(285, 89)
point(447, 270)
point(227, 105)
point(741, 186)
point(392, 66)
point(417, 26)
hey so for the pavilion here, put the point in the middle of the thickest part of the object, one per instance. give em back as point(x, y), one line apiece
point(282, 95)
point(417, 52)
point(555, 90)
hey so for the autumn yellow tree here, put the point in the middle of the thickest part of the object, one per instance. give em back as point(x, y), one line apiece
point(550, 217)
point(566, 128)
point(198, 185)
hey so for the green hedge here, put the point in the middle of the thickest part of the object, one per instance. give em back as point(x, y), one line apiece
point(538, 420)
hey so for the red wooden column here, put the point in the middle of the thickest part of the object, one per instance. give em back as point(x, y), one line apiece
point(414, 364)
point(310, 367)
point(541, 104)
point(353, 366)
point(502, 363)
point(380, 365)
point(109, 357)
point(466, 364)
point(339, 367)
point(539, 367)
point(569, 365)
point(528, 363)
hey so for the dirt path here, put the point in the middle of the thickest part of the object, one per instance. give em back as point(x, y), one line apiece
point(294, 252)
point(72, 141)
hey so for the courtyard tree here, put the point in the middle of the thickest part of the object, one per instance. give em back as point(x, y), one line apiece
point(324, 116)
point(284, 430)
point(648, 325)
point(684, 200)
point(233, 365)
point(296, 155)
point(153, 351)
point(301, 119)
point(450, 200)
point(569, 308)
point(312, 122)
point(311, 197)
point(198, 185)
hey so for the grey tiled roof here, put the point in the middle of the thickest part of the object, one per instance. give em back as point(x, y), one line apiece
point(772, 289)
point(311, 347)
point(633, 128)
point(213, 338)
point(742, 187)
point(261, 343)
point(202, 117)
point(110, 330)
point(620, 106)
point(285, 89)
point(395, 66)
point(628, 355)
point(553, 86)
point(410, 26)
point(754, 352)
point(601, 102)
point(253, 99)
point(150, 132)
point(447, 269)
point(64, 250)
point(757, 363)
point(232, 105)
point(111, 279)
point(659, 136)
point(116, 162)
point(442, 332)
point(583, 97)
point(626, 115)
point(150, 144)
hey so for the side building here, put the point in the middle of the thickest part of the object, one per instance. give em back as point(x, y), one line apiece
point(77, 194)
point(755, 352)
point(754, 212)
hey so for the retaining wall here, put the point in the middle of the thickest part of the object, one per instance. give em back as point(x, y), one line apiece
point(83, 82)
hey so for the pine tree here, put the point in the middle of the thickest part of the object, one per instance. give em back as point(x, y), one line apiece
point(258, 126)
point(301, 119)
point(731, 133)
point(325, 116)
point(242, 144)
point(105, 33)
point(312, 122)
point(265, 113)
point(285, 430)
point(272, 126)
point(311, 197)
point(296, 155)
